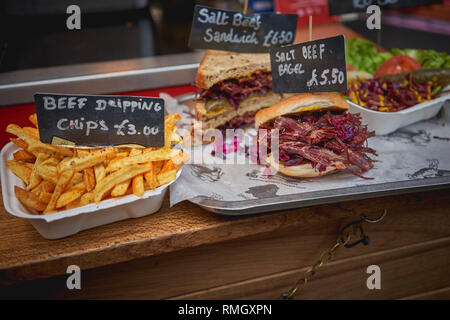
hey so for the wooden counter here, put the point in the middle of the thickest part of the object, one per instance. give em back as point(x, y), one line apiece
point(186, 252)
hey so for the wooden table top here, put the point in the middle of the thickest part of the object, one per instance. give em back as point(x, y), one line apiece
point(25, 255)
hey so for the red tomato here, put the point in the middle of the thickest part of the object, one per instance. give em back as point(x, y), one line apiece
point(351, 67)
point(397, 64)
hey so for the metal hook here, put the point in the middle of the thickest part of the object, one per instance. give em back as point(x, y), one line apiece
point(365, 240)
point(358, 224)
point(367, 219)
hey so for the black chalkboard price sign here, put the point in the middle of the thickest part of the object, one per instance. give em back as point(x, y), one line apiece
point(337, 7)
point(314, 66)
point(234, 31)
point(88, 120)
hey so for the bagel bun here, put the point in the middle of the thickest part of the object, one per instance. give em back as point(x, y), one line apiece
point(303, 170)
point(300, 103)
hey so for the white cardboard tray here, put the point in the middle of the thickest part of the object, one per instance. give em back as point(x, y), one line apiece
point(69, 222)
point(387, 122)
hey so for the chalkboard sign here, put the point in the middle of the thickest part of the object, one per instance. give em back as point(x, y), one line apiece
point(337, 7)
point(88, 120)
point(314, 66)
point(235, 31)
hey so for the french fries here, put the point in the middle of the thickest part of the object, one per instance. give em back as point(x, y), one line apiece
point(86, 198)
point(89, 178)
point(138, 185)
point(121, 188)
point(117, 177)
point(29, 199)
point(76, 179)
point(155, 155)
point(20, 143)
point(23, 155)
point(21, 134)
point(45, 197)
point(38, 147)
point(35, 178)
point(20, 170)
point(74, 193)
point(61, 185)
point(61, 178)
point(48, 173)
point(33, 119)
point(87, 160)
point(99, 172)
point(151, 176)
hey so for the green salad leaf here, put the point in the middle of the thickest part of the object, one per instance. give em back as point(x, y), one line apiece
point(363, 55)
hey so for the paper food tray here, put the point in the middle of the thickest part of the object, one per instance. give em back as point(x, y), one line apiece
point(68, 222)
point(387, 122)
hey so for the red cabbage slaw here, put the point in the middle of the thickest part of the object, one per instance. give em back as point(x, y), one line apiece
point(323, 139)
point(237, 89)
point(390, 96)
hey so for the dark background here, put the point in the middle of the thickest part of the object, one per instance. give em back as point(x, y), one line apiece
point(33, 33)
point(396, 37)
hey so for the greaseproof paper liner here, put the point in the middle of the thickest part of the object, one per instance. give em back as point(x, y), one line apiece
point(418, 151)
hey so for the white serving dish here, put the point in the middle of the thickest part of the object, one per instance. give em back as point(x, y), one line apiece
point(69, 222)
point(386, 122)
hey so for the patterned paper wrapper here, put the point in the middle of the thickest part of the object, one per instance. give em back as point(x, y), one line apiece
point(419, 151)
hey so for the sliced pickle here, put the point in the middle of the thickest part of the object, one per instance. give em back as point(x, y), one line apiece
point(217, 106)
point(214, 107)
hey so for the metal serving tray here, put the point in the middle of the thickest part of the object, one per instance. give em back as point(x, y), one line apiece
point(300, 200)
point(420, 177)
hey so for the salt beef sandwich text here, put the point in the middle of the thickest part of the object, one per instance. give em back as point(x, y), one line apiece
point(316, 136)
point(232, 87)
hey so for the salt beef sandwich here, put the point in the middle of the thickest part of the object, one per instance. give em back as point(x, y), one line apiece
point(316, 136)
point(232, 87)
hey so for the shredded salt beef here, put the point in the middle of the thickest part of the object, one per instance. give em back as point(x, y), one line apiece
point(236, 90)
point(325, 139)
point(239, 121)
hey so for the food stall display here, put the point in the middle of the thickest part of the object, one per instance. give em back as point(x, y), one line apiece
point(327, 128)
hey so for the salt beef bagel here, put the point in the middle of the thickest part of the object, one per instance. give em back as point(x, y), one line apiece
point(295, 105)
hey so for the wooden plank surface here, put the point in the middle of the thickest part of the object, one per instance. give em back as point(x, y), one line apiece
point(440, 294)
point(406, 272)
point(264, 264)
point(25, 255)
point(411, 245)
